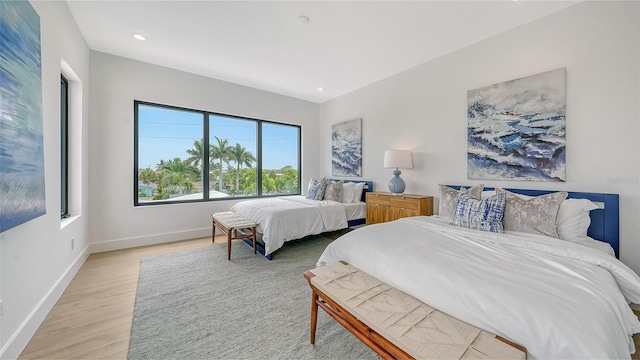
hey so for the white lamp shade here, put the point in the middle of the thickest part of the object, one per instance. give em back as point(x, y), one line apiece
point(398, 159)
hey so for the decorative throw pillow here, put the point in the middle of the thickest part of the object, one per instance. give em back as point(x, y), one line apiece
point(333, 190)
point(316, 192)
point(536, 215)
point(314, 181)
point(478, 214)
point(449, 197)
point(348, 192)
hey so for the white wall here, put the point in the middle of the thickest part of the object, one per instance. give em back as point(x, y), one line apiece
point(36, 259)
point(424, 109)
point(115, 83)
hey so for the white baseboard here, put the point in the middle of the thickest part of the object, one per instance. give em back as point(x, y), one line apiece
point(146, 240)
point(21, 337)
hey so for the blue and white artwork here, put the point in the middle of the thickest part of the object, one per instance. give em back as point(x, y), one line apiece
point(346, 148)
point(516, 129)
point(22, 196)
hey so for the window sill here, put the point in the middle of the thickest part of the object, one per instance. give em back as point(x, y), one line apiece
point(68, 220)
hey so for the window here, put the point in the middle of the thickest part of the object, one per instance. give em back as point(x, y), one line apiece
point(280, 159)
point(64, 147)
point(185, 155)
point(233, 156)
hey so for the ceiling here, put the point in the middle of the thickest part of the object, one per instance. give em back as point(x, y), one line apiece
point(264, 44)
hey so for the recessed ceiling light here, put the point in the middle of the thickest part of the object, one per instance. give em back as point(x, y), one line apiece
point(320, 89)
point(304, 20)
point(139, 36)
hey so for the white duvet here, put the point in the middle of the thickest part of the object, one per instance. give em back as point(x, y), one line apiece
point(287, 218)
point(560, 300)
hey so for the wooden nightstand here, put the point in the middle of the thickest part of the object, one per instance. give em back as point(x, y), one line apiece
point(382, 206)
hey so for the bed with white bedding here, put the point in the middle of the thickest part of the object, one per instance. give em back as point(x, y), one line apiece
point(560, 299)
point(286, 218)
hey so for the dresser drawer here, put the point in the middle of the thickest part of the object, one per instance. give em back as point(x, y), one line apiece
point(377, 199)
point(403, 202)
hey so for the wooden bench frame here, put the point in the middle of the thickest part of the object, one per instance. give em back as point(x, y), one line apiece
point(234, 231)
point(376, 342)
point(368, 336)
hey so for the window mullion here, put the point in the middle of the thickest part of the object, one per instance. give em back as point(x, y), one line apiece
point(205, 161)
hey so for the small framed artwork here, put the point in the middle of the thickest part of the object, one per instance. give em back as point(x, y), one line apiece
point(346, 148)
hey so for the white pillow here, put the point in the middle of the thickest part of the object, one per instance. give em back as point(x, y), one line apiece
point(348, 192)
point(573, 219)
point(357, 196)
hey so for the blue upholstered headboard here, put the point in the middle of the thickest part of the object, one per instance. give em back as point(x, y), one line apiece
point(605, 221)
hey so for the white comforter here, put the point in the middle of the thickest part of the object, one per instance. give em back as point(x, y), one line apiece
point(287, 218)
point(560, 300)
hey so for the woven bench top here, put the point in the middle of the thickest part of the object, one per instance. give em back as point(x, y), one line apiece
point(233, 220)
point(418, 329)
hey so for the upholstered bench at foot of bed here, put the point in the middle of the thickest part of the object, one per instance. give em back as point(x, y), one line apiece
point(235, 226)
point(396, 325)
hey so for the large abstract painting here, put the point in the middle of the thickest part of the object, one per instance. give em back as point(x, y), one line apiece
point(22, 196)
point(346, 148)
point(516, 129)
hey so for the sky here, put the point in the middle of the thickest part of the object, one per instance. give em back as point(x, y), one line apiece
point(167, 133)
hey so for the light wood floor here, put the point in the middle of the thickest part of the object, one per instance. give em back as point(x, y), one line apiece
point(92, 319)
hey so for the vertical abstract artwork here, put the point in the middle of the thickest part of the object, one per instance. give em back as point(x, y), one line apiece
point(346, 148)
point(22, 196)
point(516, 129)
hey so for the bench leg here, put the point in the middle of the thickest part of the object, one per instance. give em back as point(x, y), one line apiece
point(314, 316)
point(213, 231)
point(253, 233)
point(229, 243)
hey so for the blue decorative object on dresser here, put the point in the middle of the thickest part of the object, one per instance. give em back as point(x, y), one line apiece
point(397, 159)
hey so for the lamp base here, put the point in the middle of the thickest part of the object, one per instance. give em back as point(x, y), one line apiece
point(396, 184)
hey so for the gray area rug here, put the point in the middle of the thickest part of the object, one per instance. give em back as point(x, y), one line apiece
point(195, 304)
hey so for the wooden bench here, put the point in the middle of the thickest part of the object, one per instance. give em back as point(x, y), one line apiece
point(235, 226)
point(396, 325)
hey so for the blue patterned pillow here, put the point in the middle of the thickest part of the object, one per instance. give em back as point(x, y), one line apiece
point(477, 214)
point(316, 191)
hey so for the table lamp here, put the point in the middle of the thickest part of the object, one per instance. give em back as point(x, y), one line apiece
point(399, 159)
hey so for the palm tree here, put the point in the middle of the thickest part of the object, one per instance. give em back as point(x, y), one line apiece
point(179, 181)
point(180, 174)
point(241, 156)
point(147, 176)
point(160, 191)
point(181, 167)
point(268, 185)
point(221, 151)
point(161, 164)
point(197, 153)
point(249, 185)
